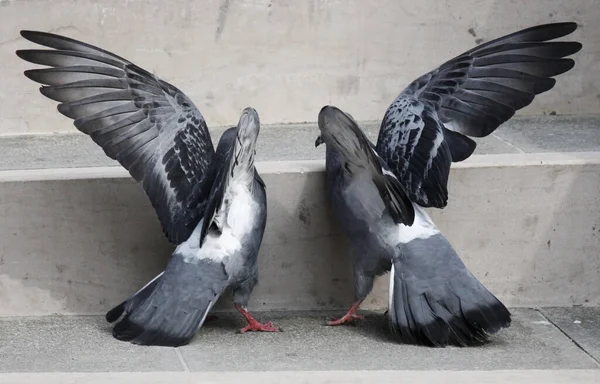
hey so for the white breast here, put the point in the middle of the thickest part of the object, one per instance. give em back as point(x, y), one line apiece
point(241, 216)
point(364, 199)
point(237, 220)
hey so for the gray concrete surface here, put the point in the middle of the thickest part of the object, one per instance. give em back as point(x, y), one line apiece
point(84, 344)
point(528, 134)
point(287, 58)
point(579, 376)
point(74, 241)
point(74, 344)
point(581, 324)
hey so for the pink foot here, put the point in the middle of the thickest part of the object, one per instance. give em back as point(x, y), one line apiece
point(253, 324)
point(349, 317)
point(258, 327)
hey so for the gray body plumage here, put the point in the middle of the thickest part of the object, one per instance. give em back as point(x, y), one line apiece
point(434, 299)
point(171, 309)
point(358, 208)
point(211, 205)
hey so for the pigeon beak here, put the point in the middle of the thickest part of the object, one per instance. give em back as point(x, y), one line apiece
point(319, 141)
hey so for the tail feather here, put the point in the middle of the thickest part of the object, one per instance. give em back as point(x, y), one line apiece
point(436, 301)
point(114, 314)
point(170, 309)
point(141, 295)
point(425, 319)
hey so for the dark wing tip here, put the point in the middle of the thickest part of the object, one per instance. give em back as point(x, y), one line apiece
point(44, 91)
point(30, 73)
point(568, 48)
point(24, 54)
point(551, 31)
point(461, 147)
point(565, 28)
point(30, 35)
point(27, 34)
point(575, 46)
point(114, 314)
point(547, 85)
point(50, 93)
point(35, 56)
point(64, 109)
point(39, 37)
point(567, 65)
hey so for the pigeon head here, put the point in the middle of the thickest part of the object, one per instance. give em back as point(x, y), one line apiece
point(246, 135)
point(339, 130)
point(248, 127)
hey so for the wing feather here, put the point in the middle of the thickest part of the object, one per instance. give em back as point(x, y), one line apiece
point(149, 126)
point(425, 129)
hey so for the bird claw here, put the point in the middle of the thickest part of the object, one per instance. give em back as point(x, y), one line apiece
point(348, 318)
point(253, 324)
point(258, 327)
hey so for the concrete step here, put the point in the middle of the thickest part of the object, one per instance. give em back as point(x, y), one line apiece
point(546, 345)
point(521, 134)
point(579, 376)
point(525, 218)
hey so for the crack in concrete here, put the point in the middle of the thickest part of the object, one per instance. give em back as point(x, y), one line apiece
point(508, 143)
point(182, 360)
point(567, 336)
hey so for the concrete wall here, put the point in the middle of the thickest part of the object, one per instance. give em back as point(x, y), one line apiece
point(82, 240)
point(287, 58)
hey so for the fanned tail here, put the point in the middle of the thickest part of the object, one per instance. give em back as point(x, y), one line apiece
point(171, 308)
point(436, 301)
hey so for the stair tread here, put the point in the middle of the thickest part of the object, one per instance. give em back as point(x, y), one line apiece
point(524, 134)
point(84, 344)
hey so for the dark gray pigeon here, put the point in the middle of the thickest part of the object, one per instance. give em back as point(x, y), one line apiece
point(211, 205)
point(378, 192)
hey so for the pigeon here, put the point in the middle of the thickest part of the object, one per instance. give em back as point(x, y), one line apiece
point(378, 192)
point(211, 205)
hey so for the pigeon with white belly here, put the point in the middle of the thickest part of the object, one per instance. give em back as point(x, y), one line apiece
point(211, 205)
point(378, 192)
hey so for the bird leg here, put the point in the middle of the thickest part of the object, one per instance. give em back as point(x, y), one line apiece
point(349, 317)
point(253, 324)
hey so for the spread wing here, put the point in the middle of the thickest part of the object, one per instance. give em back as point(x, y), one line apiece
point(427, 127)
point(150, 127)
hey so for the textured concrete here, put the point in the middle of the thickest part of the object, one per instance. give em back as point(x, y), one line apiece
point(581, 324)
point(74, 344)
point(307, 344)
point(77, 241)
point(535, 134)
point(531, 134)
point(83, 344)
point(579, 376)
point(287, 58)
